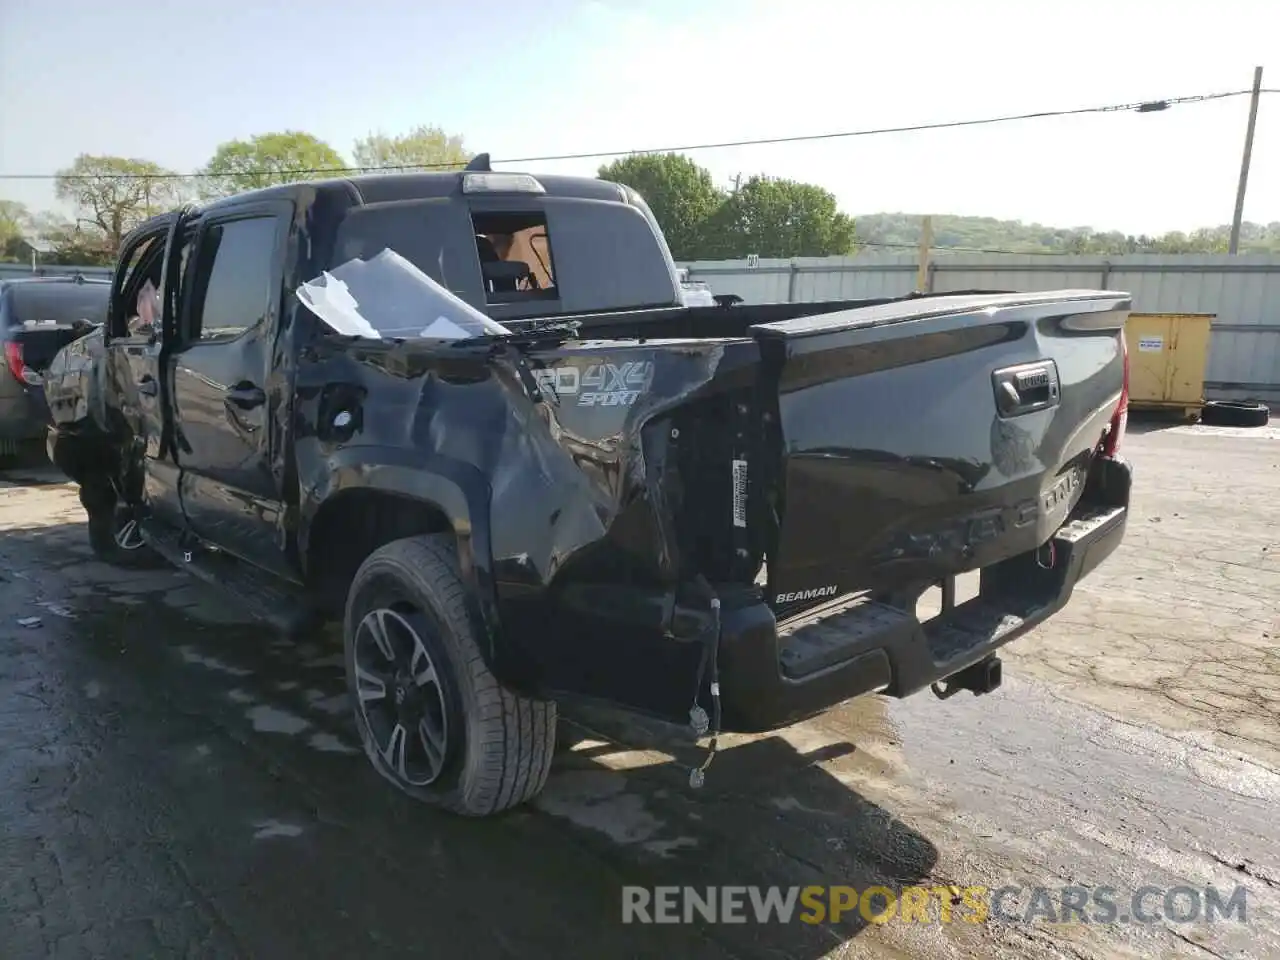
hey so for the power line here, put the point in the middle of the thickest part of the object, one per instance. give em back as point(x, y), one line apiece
point(1144, 106)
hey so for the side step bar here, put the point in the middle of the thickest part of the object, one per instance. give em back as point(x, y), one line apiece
point(265, 598)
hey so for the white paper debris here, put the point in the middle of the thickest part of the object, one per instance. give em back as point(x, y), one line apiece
point(388, 296)
point(332, 302)
point(444, 329)
point(29, 621)
point(57, 609)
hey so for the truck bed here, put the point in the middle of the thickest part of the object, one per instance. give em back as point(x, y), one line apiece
point(811, 454)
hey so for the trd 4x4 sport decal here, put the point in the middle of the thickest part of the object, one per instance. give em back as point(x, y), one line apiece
point(598, 384)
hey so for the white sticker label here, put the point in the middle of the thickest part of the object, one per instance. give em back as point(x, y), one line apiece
point(1151, 344)
point(739, 493)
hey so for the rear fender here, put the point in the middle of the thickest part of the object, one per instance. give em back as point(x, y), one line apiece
point(458, 490)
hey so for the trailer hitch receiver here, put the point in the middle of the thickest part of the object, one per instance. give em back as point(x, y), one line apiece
point(981, 677)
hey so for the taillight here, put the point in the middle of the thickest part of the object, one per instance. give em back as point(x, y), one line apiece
point(13, 358)
point(21, 372)
point(1119, 419)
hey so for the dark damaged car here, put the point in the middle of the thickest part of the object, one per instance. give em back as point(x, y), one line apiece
point(469, 416)
point(38, 316)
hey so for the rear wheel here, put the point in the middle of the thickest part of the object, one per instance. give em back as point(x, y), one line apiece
point(431, 716)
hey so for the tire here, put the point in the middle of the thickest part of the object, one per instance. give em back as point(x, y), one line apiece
point(492, 748)
point(1235, 413)
point(113, 533)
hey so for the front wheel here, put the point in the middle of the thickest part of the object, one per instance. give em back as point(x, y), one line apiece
point(114, 535)
point(431, 716)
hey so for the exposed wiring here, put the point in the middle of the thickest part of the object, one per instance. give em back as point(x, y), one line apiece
point(1144, 106)
point(698, 775)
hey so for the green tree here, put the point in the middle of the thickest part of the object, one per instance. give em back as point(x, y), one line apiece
point(681, 194)
point(73, 243)
point(15, 222)
point(114, 194)
point(265, 160)
point(969, 234)
point(780, 218)
point(424, 146)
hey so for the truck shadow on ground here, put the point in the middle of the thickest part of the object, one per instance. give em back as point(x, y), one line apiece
point(232, 728)
point(1155, 420)
point(29, 469)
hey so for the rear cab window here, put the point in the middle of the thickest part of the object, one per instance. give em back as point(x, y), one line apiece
point(515, 256)
point(519, 257)
point(37, 305)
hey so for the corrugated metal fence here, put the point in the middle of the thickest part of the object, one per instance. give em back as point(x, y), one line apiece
point(1242, 291)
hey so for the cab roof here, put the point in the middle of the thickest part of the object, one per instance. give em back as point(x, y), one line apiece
point(390, 187)
point(398, 186)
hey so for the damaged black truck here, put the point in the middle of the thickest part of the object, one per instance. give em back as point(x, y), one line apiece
point(468, 416)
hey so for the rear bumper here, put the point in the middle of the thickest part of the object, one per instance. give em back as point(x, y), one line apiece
point(772, 676)
point(24, 415)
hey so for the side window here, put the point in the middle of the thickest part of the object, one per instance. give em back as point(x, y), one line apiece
point(125, 316)
point(235, 278)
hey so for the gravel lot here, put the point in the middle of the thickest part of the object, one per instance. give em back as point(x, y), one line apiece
point(177, 782)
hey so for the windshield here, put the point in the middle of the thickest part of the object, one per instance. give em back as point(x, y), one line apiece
point(388, 297)
point(35, 304)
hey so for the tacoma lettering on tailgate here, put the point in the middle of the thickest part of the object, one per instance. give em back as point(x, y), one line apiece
point(962, 534)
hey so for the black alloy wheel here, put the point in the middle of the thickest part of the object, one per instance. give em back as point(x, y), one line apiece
point(433, 719)
point(401, 696)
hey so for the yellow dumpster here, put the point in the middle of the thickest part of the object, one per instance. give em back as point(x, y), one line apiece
point(1167, 357)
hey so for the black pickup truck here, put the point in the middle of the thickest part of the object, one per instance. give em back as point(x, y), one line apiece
point(468, 415)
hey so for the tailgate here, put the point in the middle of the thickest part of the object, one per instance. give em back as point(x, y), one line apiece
point(908, 441)
point(41, 342)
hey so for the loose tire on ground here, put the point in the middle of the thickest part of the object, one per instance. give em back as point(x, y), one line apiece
point(498, 744)
point(1235, 413)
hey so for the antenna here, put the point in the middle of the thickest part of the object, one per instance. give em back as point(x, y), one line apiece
point(480, 163)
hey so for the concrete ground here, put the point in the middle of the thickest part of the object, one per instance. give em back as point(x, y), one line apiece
point(176, 782)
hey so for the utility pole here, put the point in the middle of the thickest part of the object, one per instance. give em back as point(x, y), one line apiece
point(1244, 163)
point(926, 241)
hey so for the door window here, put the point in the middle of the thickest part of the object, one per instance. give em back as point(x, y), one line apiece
point(236, 278)
point(140, 264)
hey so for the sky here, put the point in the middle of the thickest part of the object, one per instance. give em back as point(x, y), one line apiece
point(169, 80)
